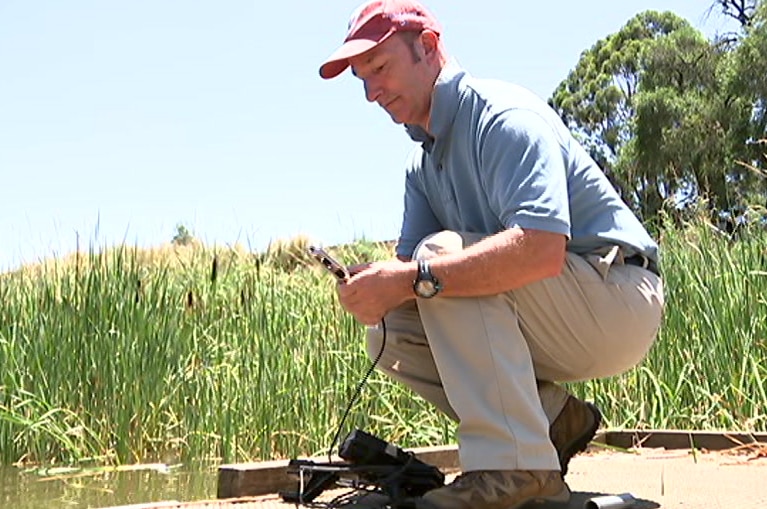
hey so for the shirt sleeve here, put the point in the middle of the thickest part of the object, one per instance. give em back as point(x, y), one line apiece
point(418, 219)
point(524, 173)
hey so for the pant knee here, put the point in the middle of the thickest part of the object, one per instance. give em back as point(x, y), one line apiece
point(444, 242)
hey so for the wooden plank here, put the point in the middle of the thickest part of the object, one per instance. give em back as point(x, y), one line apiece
point(232, 503)
point(165, 504)
point(444, 457)
point(678, 439)
point(253, 479)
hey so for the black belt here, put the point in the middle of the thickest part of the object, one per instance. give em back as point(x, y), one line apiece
point(644, 262)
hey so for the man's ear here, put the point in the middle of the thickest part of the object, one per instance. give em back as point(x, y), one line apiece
point(429, 42)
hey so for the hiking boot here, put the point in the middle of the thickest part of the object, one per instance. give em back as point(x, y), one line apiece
point(573, 429)
point(498, 489)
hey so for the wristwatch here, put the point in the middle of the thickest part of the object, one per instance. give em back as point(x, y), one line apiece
point(426, 285)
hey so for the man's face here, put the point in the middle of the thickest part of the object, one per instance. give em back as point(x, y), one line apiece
point(396, 76)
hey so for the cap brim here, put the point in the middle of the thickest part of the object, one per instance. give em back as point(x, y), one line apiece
point(339, 60)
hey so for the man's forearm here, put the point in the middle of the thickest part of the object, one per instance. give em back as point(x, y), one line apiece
point(499, 263)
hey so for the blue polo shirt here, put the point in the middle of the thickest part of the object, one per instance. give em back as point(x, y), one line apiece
point(499, 157)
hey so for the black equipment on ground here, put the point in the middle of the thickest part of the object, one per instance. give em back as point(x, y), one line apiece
point(370, 465)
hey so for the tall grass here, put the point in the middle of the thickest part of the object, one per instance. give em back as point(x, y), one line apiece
point(197, 353)
point(110, 356)
point(708, 369)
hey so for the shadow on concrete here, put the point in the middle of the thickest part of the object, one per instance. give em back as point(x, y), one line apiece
point(578, 500)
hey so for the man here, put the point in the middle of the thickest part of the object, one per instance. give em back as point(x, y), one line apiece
point(517, 264)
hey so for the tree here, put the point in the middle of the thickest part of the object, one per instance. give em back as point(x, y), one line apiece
point(662, 109)
point(688, 128)
point(597, 99)
point(750, 77)
point(183, 236)
point(741, 10)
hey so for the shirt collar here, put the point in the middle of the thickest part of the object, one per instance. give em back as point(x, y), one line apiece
point(445, 99)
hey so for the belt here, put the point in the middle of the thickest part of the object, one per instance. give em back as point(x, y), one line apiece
point(644, 262)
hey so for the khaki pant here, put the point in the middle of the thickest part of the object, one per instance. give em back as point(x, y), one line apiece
point(480, 360)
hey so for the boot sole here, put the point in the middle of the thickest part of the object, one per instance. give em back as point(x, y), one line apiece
point(582, 442)
point(562, 499)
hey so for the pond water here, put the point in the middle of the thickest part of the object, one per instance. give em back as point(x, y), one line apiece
point(20, 489)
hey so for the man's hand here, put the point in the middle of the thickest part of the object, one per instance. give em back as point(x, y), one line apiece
point(376, 288)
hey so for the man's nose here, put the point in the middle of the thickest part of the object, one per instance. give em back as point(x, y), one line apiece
point(372, 90)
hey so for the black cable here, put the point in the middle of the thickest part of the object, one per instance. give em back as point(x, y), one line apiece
point(357, 392)
point(384, 485)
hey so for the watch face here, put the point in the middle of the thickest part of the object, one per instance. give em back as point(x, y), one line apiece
point(425, 288)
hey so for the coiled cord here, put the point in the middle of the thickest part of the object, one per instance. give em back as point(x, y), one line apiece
point(357, 392)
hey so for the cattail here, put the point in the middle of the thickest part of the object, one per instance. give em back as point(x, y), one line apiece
point(214, 269)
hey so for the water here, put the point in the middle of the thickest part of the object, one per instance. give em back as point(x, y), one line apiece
point(21, 489)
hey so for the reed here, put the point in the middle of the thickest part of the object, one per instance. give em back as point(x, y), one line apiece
point(191, 353)
point(708, 369)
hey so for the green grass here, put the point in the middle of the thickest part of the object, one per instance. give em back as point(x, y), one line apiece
point(708, 369)
point(192, 354)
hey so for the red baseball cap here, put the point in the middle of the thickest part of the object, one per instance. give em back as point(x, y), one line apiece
point(371, 24)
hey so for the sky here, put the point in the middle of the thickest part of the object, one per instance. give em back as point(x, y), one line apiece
point(120, 120)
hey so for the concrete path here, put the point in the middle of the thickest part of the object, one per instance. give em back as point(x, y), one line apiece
point(657, 478)
point(673, 479)
point(660, 478)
